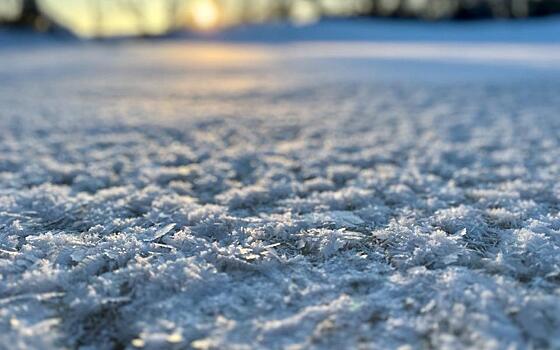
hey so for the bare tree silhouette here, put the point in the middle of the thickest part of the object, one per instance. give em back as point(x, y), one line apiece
point(28, 12)
point(30, 16)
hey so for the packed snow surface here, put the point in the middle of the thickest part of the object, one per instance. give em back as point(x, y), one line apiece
point(176, 195)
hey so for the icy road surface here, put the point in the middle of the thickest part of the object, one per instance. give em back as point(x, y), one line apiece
point(175, 195)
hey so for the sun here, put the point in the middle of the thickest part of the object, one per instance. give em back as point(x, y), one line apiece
point(205, 14)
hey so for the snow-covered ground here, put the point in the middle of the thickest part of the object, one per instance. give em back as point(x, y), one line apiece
point(301, 194)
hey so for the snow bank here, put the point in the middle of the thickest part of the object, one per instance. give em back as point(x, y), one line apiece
point(151, 200)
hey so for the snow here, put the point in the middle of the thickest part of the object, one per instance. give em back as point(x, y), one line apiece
point(298, 194)
point(541, 30)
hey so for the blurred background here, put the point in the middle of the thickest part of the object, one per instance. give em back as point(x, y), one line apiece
point(108, 18)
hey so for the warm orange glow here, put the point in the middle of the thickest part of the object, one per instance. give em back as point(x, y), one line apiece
point(205, 14)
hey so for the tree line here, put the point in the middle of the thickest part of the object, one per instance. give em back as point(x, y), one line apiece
point(31, 15)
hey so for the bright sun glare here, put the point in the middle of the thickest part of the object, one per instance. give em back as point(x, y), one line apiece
point(205, 14)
